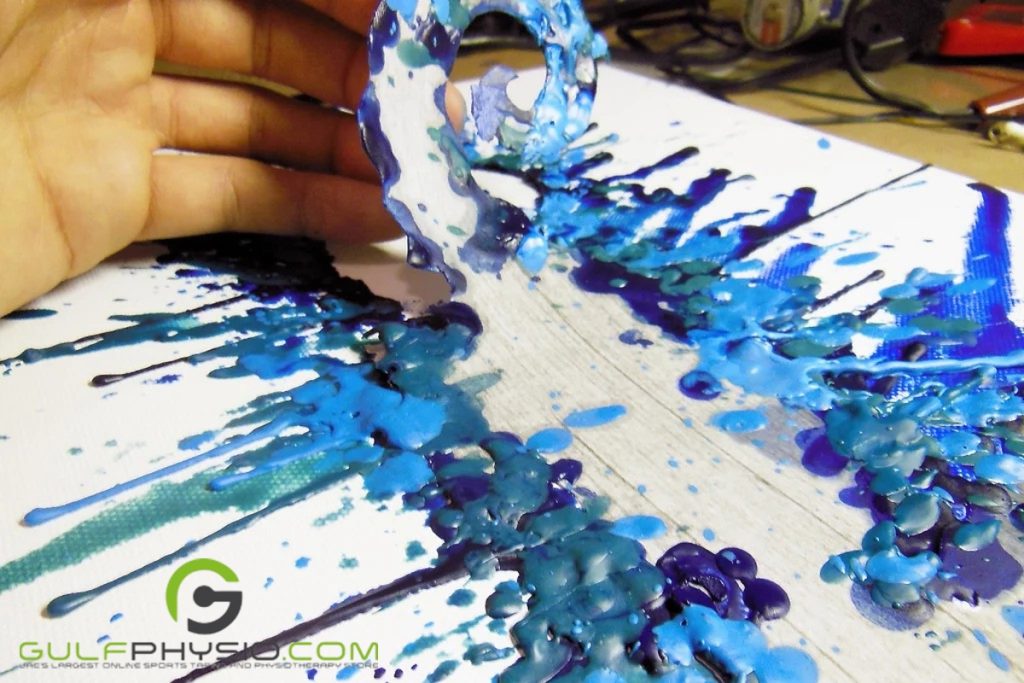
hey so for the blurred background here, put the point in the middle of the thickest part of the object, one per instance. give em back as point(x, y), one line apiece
point(939, 81)
point(935, 80)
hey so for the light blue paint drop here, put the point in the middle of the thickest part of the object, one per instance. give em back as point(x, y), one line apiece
point(740, 421)
point(999, 659)
point(857, 259)
point(302, 562)
point(823, 143)
point(533, 252)
point(116, 617)
point(708, 535)
point(1014, 616)
point(553, 440)
point(692, 488)
point(404, 473)
point(639, 527)
point(786, 665)
point(594, 417)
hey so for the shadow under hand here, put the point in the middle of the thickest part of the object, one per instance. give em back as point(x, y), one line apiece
point(384, 270)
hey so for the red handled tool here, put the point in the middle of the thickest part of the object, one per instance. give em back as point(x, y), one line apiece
point(985, 31)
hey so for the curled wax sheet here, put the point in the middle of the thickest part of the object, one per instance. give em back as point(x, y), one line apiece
point(425, 166)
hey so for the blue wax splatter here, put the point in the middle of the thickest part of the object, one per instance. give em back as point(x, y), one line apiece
point(700, 385)
point(884, 416)
point(639, 527)
point(302, 562)
point(413, 455)
point(594, 417)
point(1014, 616)
point(740, 421)
point(634, 338)
point(857, 259)
point(404, 473)
point(738, 644)
point(999, 659)
point(462, 597)
point(552, 440)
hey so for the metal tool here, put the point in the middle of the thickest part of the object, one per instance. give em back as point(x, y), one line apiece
point(777, 24)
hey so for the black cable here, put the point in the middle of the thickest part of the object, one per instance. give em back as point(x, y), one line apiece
point(715, 41)
point(860, 77)
point(900, 115)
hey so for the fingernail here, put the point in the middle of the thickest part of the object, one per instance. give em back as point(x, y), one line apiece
point(456, 106)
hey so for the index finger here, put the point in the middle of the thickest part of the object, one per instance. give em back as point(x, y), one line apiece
point(355, 15)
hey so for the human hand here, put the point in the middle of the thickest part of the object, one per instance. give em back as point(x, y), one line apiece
point(82, 113)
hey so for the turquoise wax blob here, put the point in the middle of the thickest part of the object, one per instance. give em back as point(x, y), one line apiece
point(892, 566)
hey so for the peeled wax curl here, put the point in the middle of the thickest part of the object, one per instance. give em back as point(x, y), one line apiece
point(428, 184)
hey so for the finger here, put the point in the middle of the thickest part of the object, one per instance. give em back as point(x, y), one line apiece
point(194, 194)
point(282, 42)
point(455, 104)
point(352, 14)
point(241, 120)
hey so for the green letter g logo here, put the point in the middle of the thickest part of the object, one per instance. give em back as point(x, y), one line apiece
point(204, 596)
